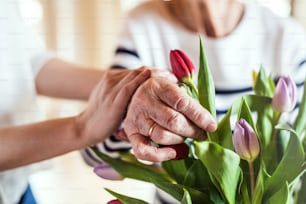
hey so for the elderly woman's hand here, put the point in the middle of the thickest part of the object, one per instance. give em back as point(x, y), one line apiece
point(163, 113)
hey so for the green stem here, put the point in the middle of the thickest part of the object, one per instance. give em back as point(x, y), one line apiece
point(252, 177)
point(193, 87)
point(274, 136)
point(275, 122)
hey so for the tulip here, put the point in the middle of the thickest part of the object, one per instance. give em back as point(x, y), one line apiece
point(182, 66)
point(107, 172)
point(245, 141)
point(285, 97)
point(254, 76)
point(116, 201)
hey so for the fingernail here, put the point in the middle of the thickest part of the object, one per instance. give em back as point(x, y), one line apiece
point(211, 127)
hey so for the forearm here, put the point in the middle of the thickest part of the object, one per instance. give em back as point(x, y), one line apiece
point(26, 144)
point(61, 79)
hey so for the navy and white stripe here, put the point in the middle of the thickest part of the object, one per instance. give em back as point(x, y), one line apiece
point(148, 37)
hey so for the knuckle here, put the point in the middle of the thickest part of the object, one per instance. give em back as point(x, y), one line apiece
point(174, 121)
point(182, 104)
point(141, 153)
point(159, 136)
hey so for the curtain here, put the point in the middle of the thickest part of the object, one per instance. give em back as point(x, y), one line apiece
point(84, 31)
point(298, 8)
point(81, 31)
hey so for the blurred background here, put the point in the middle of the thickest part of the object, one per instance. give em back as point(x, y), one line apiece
point(85, 32)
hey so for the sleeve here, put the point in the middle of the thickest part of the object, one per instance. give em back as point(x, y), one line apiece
point(126, 53)
point(34, 45)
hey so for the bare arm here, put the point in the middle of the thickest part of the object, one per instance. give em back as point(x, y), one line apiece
point(107, 106)
point(61, 79)
point(26, 144)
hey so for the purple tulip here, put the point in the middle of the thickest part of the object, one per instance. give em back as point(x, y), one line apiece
point(245, 141)
point(182, 67)
point(285, 97)
point(107, 172)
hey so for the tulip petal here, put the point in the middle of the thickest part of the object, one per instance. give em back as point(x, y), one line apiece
point(116, 201)
point(245, 141)
point(105, 171)
point(187, 61)
point(285, 97)
point(182, 66)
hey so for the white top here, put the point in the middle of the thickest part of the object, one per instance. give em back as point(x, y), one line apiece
point(20, 61)
point(261, 38)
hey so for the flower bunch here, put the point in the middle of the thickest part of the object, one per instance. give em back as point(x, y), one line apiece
point(262, 160)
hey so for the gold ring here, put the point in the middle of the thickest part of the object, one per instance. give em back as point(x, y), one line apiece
point(151, 129)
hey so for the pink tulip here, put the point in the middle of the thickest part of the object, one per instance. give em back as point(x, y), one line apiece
point(105, 171)
point(285, 97)
point(245, 141)
point(182, 66)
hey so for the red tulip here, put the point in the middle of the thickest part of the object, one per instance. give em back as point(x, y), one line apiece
point(182, 66)
point(115, 202)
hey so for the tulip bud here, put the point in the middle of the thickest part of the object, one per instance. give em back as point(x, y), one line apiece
point(182, 66)
point(245, 141)
point(105, 171)
point(254, 76)
point(285, 97)
point(116, 201)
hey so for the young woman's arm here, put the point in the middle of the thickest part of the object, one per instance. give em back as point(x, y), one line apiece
point(61, 79)
point(21, 145)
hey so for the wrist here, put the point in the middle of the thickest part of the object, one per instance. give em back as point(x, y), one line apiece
point(79, 126)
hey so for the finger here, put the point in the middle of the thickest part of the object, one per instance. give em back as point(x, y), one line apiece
point(143, 149)
point(162, 136)
point(130, 83)
point(189, 107)
point(172, 121)
point(163, 74)
point(121, 135)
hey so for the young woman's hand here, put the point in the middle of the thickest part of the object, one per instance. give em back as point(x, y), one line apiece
point(108, 103)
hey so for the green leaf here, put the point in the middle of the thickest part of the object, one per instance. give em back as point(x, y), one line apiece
point(126, 199)
point(265, 125)
point(281, 196)
point(246, 114)
point(264, 85)
point(300, 121)
point(301, 195)
point(177, 169)
point(134, 170)
point(290, 166)
point(245, 193)
point(197, 177)
point(223, 134)
point(176, 190)
point(259, 187)
point(186, 198)
point(206, 85)
point(223, 166)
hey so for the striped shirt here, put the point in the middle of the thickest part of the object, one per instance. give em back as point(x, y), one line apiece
point(261, 38)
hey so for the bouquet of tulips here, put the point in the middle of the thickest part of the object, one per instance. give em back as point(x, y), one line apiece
point(262, 160)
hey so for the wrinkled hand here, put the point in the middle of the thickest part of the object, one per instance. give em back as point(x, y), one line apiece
point(108, 103)
point(163, 113)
